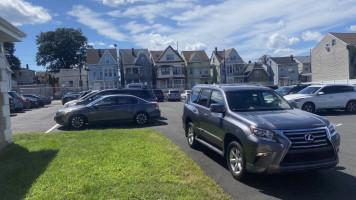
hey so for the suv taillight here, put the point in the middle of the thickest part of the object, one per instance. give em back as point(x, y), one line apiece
point(154, 100)
point(155, 106)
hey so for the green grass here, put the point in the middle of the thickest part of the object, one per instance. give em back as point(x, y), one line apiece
point(101, 164)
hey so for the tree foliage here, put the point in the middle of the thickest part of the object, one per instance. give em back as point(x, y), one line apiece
point(61, 48)
point(13, 61)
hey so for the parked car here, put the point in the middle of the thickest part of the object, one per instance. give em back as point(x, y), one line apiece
point(41, 100)
point(145, 94)
point(109, 108)
point(17, 97)
point(185, 94)
point(34, 103)
point(135, 85)
point(172, 95)
point(11, 104)
point(17, 104)
point(291, 89)
point(159, 94)
point(68, 97)
point(74, 102)
point(256, 130)
point(325, 97)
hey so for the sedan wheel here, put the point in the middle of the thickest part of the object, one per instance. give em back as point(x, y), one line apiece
point(351, 107)
point(77, 122)
point(236, 160)
point(309, 107)
point(141, 118)
point(191, 136)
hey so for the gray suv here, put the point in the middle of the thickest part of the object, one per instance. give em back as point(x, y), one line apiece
point(256, 130)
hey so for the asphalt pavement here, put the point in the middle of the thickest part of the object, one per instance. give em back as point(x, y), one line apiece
point(337, 183)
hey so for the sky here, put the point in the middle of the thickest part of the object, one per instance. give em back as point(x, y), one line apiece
point(253, 27)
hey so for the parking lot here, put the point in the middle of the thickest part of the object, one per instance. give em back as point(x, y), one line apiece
point(337, 183)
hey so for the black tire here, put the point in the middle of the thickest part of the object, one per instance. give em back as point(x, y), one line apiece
point(78, 122)
point(236, 162)
point(351, 107)
point(190, 133)
point(141, 118)
point(309, 107)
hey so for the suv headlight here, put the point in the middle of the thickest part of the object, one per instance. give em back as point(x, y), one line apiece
point(297, 100)
point(263, 134)
point(332, 129)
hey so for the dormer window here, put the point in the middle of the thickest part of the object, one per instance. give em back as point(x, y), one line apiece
point(169, 56)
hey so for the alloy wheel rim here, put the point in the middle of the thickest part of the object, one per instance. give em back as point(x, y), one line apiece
point(352, 107)
point(235, 159)
point(141, 118)
point(190, 135)
point(77, 122)
point(309, 108)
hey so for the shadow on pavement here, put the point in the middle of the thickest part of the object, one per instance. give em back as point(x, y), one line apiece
point(120, 125)
point(20, 168)
point(316, 184)
point(334, 113)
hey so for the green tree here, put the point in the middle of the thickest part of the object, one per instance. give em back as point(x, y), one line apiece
point(13, 61)
point(61, 48)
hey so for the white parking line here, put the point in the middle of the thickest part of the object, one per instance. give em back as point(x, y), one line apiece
point(55, 126)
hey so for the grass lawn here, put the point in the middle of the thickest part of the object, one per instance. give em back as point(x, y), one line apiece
point(101, 164)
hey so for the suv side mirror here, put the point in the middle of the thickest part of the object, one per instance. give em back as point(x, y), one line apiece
point(217, 108)
point(320, 93)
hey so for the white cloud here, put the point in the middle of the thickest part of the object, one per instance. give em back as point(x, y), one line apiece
point(195, 46)
point(93, 20)
point(277, 41)
point(135, 28)
point(312, 35)
point(20, 12)
point(116, 3)
point(153, 41)
point(293, 40)
point(352, 28)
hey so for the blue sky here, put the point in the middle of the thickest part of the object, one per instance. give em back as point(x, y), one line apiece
point(252, 27)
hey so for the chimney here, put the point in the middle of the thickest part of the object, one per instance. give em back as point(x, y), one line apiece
point(133, 51)
point(249, 62)
point(291, 57)
point(26, 66)
point(216, 50)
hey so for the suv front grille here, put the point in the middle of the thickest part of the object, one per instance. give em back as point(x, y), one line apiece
point(317, 149)
point(318, 139)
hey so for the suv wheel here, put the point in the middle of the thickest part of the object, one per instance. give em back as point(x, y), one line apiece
point(191, 135)
point(141, 118)
point(77, 122)
point(309, 107)
point(236, 160)
point(351, 107)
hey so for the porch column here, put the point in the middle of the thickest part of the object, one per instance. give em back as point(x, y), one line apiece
point(5, 122)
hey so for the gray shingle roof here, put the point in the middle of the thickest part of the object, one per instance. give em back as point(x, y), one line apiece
point(303, 59)
point(283, 60)
point(349, 38)
point(94, 55)
point(128, 56)
point(189, 55)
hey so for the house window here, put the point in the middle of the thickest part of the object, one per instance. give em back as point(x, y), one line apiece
point(71, 84)
point(177, 70)
point(191, 71)
point(333, 42)
point(114, 73)
point(128, 71)
point(327, 47)
point(135, 70)
point(101, 74)
point(258, 73)
point(110, 72)
point(142, 58)
point(169, 56)
point(94, 75)
point(165, 70)
point(206, 71)
point(281, 69)
point(106, 72)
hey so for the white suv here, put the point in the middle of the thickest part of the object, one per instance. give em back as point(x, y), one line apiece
point(324, 97)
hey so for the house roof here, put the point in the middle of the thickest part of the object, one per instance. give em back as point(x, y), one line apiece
point(253, 66)
point(283, 60)
point(155, 55)
point(188, 55)
point(9, 33)
point(128, 56)
point(349, 38)
point(303, 59)
point(94, 55)
point(219, 55)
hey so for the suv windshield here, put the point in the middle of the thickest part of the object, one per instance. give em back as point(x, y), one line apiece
point(309, 90)
point(255, 100)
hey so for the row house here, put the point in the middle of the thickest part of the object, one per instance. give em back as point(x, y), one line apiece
point(255, 73)
point(197, 67)
point(169, 69)
point(304, 68)
point(136, 67)
point(103, 69)
point(227, 66)
point(334, 57)
point(69, 80)
point(283, 70)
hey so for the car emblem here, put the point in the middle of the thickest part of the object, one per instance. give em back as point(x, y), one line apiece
point(309, 137)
